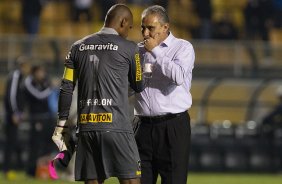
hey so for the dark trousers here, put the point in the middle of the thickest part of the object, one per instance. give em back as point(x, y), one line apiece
point(40, 142)
point(164, 147)
point(11, 147)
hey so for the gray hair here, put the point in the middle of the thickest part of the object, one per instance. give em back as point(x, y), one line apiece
point(157, 10)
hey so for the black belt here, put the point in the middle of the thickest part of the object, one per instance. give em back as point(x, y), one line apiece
point(160, 118)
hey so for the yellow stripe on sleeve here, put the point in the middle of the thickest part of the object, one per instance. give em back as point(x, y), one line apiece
point(69, 74)
point(138, 68)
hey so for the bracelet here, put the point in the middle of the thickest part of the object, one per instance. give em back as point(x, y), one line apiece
point(62, 126)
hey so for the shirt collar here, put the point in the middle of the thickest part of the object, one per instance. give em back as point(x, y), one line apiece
point(108, 30)
point(168, 40)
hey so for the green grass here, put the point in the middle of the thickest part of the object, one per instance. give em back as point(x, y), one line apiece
point(194, 178)
point(222, 178)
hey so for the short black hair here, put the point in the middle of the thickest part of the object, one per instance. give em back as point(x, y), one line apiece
point(36, 68)
point(115, 11)
point(21, 60)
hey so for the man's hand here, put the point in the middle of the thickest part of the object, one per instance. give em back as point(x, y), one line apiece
point(61, 136)
point(151, 42)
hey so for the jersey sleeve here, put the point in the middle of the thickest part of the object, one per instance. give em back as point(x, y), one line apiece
point(67, 86)
point(135, 75)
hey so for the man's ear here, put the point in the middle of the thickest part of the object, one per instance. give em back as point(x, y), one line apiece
point(166, 27)
point(123, 22)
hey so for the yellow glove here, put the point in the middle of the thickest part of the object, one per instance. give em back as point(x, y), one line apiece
point(61, 135)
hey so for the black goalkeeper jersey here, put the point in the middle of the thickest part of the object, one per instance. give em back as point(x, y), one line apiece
point(103, 65)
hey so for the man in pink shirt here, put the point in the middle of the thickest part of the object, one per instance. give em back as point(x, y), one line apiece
point(163, 137)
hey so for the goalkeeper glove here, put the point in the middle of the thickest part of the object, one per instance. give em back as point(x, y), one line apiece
point(61, 135)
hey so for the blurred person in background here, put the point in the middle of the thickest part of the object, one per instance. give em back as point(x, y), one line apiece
point(106, 5)
point(163, 3)
point(277, 13)
point(82, 9)
point(37, 91)
point(203, 9)
point(258, 21)
point(31, 11)
point(273, 120)
point(163, 136)
point(224, 29)
point(104, 65)
point(54, 96)
point(14, 107)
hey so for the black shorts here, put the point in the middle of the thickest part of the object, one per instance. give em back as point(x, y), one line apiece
point(104, 154)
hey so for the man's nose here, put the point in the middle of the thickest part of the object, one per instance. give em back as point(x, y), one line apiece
point(145, 32)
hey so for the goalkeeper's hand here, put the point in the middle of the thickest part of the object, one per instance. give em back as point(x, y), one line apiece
point(61, 135)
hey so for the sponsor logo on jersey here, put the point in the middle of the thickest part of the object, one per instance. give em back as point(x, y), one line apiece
point(108, 46)
point(95, 102)
point(138, 68)
point(96, 118)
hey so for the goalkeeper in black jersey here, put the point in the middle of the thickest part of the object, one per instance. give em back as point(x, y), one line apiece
point(103, 65)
